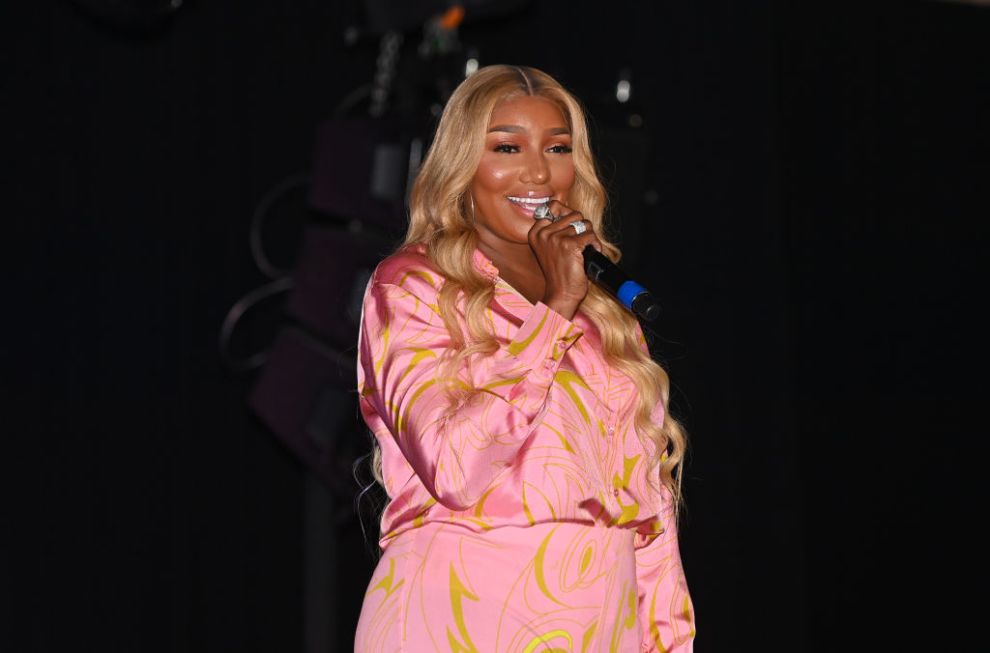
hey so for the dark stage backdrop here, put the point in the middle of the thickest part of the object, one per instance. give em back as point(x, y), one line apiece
point(803, 189)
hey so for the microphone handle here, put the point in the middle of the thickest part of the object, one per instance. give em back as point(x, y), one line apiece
point(610, 277)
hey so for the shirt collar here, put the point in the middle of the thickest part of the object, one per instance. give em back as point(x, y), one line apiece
point(485, 265)
point(507, 300)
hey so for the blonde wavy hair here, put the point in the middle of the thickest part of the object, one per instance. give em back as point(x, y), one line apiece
point(441, 219)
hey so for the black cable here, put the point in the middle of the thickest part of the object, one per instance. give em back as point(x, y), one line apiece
point(235, 313)
point(258, 219)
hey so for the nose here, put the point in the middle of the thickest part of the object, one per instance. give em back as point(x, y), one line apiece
point(536, 169)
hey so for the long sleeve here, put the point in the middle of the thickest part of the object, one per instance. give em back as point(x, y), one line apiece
point(665, 609)
point(457, 451)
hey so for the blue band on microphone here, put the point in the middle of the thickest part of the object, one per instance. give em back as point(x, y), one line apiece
point(628, 291)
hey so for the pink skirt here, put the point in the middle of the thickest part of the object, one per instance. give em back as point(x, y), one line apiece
point(549, 587)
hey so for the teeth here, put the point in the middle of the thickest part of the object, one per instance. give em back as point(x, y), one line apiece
point(529, 200)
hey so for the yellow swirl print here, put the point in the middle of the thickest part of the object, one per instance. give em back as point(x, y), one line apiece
point(421, 354)
point(518, 347)
point(401, 419)
point(385, 583)
point(567, 380)
point(458, 592)
point(545, 639)
point(629, 510)
point(538, 562)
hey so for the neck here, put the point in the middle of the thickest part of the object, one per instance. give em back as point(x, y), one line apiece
point(517, 258)
point(517, 266)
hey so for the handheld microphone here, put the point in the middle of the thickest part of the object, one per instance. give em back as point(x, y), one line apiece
point(610, 277)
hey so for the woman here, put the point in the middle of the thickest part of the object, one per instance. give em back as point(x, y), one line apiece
point(520, 422)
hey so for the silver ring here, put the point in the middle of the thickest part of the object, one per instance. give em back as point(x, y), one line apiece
point(579, 227)
point(542, 212)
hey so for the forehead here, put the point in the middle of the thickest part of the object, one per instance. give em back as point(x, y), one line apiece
point(527, 111)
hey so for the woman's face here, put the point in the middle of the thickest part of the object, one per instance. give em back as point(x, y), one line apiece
point(527, 160)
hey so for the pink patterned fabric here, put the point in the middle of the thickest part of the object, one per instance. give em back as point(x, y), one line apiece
point(520, 519)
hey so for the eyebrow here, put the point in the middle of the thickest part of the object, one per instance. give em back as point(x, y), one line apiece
point(516, 129)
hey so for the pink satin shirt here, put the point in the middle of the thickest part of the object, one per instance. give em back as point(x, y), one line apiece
point(544, 450)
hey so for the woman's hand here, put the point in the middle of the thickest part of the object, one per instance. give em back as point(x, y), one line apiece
point(558, 248)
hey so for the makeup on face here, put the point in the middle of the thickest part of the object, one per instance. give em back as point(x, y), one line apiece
point(527, 162)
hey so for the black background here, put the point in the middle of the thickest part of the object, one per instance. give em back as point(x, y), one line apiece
point(806, 195)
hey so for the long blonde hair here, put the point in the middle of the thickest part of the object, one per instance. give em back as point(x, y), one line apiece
point(441, 219)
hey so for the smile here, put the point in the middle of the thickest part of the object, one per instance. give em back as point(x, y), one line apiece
point(528, 204)
point(529, 201)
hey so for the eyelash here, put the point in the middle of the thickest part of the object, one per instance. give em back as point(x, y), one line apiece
point(506, 148)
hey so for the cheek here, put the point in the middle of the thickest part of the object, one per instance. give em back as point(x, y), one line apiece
point(563, 176)
point(489, 175)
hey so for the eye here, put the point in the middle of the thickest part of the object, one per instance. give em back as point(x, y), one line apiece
point(505, 148)
point(560, 149)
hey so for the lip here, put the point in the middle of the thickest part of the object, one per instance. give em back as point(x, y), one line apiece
point(528, 209)
point(524, 209)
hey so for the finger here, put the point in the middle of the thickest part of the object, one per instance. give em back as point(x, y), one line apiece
point(563, 223)
point(562, 228)
point(544, 212)
point(578, 224)
point(581, 240)
point(545, 231)
point(596, 243)
point(586, 239)
point(574, 244)
point(558, 207)
point(586, 234)
point(539, 226)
